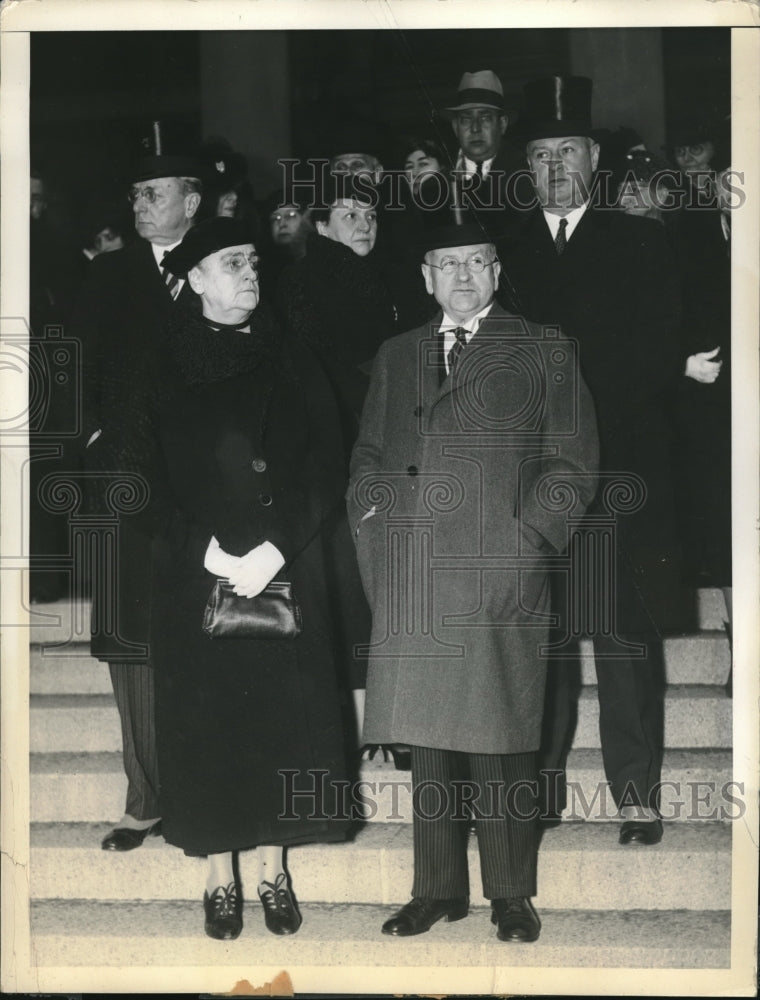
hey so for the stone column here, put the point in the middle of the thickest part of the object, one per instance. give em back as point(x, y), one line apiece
point(626, 66)
point(245, 97)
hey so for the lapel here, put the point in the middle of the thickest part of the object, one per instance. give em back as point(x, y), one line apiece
point(493, 326)
point(149, 278)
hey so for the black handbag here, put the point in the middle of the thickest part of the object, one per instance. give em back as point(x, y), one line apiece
point(272, 614)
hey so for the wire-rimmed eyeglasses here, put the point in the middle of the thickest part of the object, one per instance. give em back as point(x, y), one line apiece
point(475, 264)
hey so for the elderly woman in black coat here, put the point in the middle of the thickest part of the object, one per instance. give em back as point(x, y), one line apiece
point(246, 470)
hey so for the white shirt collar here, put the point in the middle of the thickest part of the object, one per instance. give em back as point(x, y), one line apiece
point(470, 167)
point(573, 218)
point(159, 251)
point(448, 325)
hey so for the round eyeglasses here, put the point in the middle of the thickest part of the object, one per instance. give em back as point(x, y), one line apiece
point(475, 265)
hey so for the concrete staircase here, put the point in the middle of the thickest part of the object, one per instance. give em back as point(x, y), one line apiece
point(601, 905)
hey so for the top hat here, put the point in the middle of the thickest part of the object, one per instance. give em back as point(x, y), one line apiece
point(556, 106)
point(204, 239)
point(477, 90)
point(164, 155)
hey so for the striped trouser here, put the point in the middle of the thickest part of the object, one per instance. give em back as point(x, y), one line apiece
point(133, 691)
point(502, 790)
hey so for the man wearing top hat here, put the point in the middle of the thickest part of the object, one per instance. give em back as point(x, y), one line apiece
point(608, 280)
point(120, 319)
point(467, 420)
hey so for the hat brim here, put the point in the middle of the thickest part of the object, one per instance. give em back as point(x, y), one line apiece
point(470, 233)
point(475, 98)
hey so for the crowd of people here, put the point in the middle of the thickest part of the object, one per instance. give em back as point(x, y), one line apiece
point(471, 410)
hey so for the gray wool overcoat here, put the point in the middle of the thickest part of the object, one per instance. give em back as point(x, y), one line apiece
point(460, 492)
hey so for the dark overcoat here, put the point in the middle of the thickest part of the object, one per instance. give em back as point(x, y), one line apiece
point(248, 451)
point(121, 318)
point(615, 291)
point(703, 409)
point(451, 500)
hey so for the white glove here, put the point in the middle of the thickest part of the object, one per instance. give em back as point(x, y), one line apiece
point(256, 569)
point(219, 562)
point(702, 368)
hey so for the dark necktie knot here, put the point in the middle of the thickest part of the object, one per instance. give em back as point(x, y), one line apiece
point(460, 342)
point(560, 241)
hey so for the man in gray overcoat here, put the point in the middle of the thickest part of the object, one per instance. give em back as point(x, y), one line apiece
point(477, 439)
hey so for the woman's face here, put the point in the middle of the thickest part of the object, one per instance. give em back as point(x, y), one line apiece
point(227, 205)
point(351, 223)
point(228, 283)
point(418, 163)
point(285, 223)
point(694, 158)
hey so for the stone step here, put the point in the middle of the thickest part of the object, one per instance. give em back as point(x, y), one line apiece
point(695, 716)
point(581, 866)
point(170, 933)
point(67, 670)
point(68, 620)
point(703, 658)
point(61, 622)
point(700, 658)
point(710, 608)
point(91, 788)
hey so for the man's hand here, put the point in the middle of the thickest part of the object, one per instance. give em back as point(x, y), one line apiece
point(256, 569)
point(701, 368)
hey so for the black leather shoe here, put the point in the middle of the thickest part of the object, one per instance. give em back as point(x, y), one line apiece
point(419, 915)
point(640, 832)
point(516, 919)
point(280, 911)
point(224, 919)
point(124, 838)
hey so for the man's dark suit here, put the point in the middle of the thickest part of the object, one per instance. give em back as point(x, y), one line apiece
point(121, 318)
point(614, 290)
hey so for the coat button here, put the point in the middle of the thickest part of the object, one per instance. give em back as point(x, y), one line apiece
point(259, 465)
point(418, 411)
point(412, 470)
point(265, 500)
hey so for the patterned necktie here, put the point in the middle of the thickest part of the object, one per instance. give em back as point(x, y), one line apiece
point(560, 241)
point(459, 345)
point(172, 281)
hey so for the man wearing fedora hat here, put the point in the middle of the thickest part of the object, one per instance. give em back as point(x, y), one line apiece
point(120, 319)
point(464, 417)
point(479, 122)
point(608, 280)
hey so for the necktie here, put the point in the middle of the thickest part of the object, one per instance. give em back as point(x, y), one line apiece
point(459, 345)
point(172, 281)
point(479, 169)
point(560, 241)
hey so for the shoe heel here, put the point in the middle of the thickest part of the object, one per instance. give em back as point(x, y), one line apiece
point(458, 912)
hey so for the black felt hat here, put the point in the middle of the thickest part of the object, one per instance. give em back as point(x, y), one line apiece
point(164, 154)
point(556, 106)
point(204, 239)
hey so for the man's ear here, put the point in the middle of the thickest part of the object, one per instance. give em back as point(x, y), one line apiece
point(594, 154)
point(321, 227)
point(427, 274)
point(503, 122)
point(195, 280)
point(192, 201)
